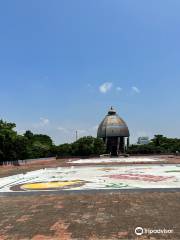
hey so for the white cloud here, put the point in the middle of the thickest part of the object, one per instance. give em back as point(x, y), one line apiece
point(119, 89)
point(62, 129)
point(44, 122)
point(105, 87)
point(136, 89)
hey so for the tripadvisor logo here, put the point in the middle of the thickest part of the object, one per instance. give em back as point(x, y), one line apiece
point(140, 231)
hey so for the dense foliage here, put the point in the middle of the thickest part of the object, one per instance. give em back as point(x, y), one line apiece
point(158, 145)
point(84, 146)
point(14, 147)
point(29, 146)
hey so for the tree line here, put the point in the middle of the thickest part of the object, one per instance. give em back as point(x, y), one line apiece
point(158, 145)
point(14, 147)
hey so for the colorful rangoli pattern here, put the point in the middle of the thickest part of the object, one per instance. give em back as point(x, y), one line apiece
point(94, 177)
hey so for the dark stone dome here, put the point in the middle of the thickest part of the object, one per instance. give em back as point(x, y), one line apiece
point(112, 126)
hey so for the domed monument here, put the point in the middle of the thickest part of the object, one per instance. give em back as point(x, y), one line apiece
point(115, 133)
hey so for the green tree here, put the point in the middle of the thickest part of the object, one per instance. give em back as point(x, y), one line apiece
point(43, 139)
point(12, 145)
point(64, 150)
point(89, 145)
point(38, 145)
point(7, 138)
point(159, 144)
point(99, 146)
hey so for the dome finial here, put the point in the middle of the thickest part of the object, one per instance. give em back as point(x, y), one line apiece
point(111, 111)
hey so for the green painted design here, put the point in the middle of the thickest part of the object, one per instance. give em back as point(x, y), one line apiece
point(117, 185)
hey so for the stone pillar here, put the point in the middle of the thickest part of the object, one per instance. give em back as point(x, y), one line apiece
point(123, 144)
point(106, 140)
point(118, 145)
point(127, 142)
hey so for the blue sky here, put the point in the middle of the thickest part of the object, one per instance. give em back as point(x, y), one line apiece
point(64, 63)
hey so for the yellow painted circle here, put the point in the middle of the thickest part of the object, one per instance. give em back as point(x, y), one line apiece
point(50, 185)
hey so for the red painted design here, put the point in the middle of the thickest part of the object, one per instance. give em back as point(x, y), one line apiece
point(141, 177)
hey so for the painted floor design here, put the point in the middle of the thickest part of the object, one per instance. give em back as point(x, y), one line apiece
point(118, 160)
point(94, 177)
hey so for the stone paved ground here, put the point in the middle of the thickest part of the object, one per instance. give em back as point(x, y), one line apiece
point(89, 216)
